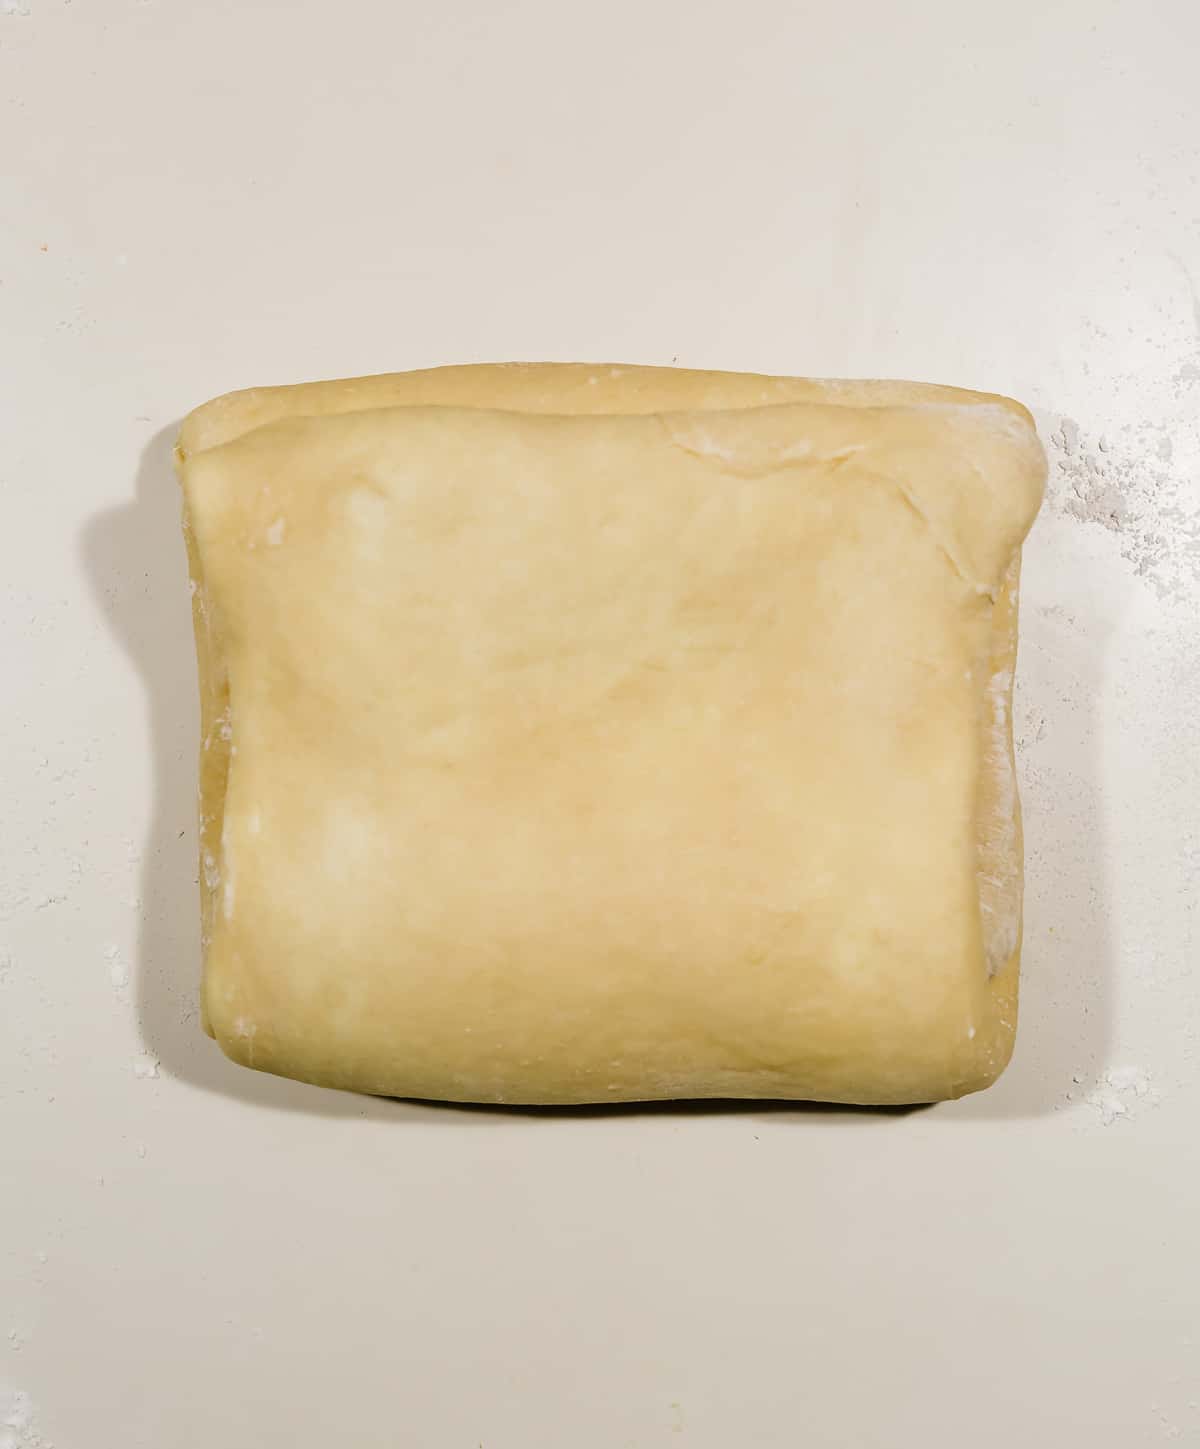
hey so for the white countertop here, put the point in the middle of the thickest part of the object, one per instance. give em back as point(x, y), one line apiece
point(198, 197)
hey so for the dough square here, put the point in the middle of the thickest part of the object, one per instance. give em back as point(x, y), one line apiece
point(586, 734)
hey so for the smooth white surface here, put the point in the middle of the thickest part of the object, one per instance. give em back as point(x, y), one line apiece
point(198, 197)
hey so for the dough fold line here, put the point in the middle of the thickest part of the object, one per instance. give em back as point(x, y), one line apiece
point(740, 464)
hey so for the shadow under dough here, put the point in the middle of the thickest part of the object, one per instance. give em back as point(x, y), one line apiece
point(136, 564)
point(137, 567)
point(497, 1113)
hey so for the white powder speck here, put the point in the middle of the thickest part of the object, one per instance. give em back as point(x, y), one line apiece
point(16, 1409)
point(141, 1152)
point(274, 533)
point(227, 870)
point(18, 1422)
point(145, 1066)
point(1169, 1429)
point(13, 7)
point(998, 867)
point(1121, 1092)
point(1129, 1079)
point(1108, 1104)
point(118, 970)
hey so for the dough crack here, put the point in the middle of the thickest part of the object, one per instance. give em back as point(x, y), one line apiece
point(735, 457)
point(935, 534)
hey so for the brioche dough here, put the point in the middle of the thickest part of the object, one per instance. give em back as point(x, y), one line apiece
point(592, 734)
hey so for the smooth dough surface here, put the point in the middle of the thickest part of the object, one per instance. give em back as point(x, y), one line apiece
point(590, 734)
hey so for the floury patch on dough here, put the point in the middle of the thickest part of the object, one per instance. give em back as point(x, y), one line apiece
point(610, 733)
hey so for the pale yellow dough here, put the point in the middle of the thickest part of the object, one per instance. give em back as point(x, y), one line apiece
point(591, 734)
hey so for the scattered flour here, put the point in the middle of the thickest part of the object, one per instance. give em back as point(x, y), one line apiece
point(145, 1066)
point(118, 970)
point(1134, 486)
point(1122, 1092)
point(18, 1422)
point(1169, 1429)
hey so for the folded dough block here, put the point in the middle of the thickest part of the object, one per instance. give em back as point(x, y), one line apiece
point(594, 734)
